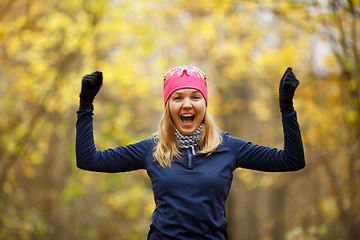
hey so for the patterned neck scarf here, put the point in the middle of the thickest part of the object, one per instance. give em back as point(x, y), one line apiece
point(188, 141)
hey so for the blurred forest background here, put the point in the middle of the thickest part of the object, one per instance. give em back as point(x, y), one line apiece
point(46, 46)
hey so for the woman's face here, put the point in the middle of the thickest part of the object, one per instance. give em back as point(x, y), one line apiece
point(187, 109)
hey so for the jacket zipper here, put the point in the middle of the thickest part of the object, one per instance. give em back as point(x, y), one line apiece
point(190, 155)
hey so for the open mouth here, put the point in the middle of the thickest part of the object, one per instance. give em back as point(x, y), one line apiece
point(187, 118)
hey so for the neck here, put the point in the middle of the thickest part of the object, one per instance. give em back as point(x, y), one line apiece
point(188, 141)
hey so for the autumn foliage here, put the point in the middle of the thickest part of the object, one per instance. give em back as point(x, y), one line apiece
point(243, 46)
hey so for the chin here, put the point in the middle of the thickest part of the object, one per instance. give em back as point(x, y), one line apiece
point(187, 132)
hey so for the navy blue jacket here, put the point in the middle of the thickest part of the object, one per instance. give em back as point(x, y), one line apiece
point(190, 196)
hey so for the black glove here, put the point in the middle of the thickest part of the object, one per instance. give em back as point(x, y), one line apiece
point(288, 84)
point(90, 86)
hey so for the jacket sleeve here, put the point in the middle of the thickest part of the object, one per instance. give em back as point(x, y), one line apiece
point(261, 158)
point(120, 159)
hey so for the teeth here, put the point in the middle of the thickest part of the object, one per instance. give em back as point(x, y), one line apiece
point(187, 115)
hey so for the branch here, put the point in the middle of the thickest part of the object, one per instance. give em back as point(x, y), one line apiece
point(354, 34)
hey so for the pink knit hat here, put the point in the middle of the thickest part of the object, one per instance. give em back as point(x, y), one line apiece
point(184, 76)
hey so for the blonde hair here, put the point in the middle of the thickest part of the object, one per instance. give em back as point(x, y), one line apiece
point(166, 143)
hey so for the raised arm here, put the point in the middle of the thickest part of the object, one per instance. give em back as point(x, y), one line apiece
point(291, 158)
point(120, 159)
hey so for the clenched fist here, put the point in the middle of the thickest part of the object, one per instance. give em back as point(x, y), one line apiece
point(90, 86)
point(288, 84)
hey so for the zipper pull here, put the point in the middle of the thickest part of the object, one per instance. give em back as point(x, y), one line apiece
point(189, 158)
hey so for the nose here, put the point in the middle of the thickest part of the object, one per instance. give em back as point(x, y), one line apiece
point(187, 103)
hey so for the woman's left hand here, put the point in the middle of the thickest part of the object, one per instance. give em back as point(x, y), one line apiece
point(288, 85)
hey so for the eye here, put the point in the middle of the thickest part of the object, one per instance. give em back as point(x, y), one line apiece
point(197, 97)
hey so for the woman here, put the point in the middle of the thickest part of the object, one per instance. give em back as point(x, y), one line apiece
point(189, 162)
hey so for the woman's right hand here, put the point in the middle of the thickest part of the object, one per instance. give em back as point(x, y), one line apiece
point(90, 86)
